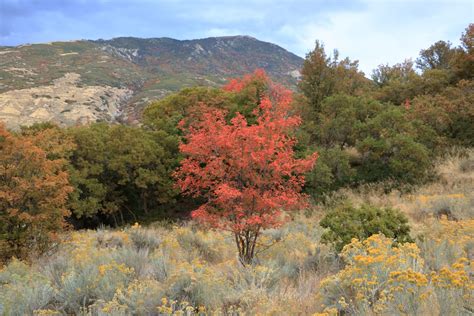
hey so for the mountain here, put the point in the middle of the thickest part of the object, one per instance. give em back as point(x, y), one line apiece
point(113, 80)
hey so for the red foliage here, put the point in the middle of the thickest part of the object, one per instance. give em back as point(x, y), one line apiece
point(238, 84)
point(407, 104)
point(248, 173)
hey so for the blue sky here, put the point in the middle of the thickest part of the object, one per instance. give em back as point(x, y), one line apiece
point(372, 31)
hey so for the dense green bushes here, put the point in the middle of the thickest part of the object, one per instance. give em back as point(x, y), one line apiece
point(117, 169)
point(391, 129)
point(347, 222)
point(361, 140)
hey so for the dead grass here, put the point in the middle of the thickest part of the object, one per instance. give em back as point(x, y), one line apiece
point(120, 269)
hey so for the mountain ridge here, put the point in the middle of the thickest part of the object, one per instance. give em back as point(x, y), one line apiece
point(115, 79)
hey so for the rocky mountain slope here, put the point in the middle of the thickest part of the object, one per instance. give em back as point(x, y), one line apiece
point(112, 80)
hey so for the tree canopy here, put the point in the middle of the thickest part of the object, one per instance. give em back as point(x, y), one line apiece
point(247, 172)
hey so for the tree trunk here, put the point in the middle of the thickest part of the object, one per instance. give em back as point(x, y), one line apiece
point(246, 242)
point(144, 202)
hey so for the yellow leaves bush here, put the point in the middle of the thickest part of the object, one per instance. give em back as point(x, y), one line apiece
point(111, 267)
point(454, 288)
point(381, 278)
point(443, 242)
point(455, 277)
point(426, 198)
point(372, 266)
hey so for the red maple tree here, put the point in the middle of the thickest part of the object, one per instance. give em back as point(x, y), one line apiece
point(257, 78)
point(247, 173)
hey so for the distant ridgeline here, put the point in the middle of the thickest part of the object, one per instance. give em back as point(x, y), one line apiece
point(112, 80)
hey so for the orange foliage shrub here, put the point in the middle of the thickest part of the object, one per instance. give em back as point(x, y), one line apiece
point(33, 193)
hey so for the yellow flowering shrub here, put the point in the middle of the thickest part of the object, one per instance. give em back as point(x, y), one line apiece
point(407, 291)
point(140, 297)
point(106, 268)
point(382, 279)
point(443, 242)
point(175, 308)
point(426, 198)
point(378, 278)
point(454, 288)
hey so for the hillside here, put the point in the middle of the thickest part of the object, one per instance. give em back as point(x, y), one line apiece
point(112, 80)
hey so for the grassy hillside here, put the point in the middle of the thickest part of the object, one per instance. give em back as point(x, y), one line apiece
point(179, 269)
point(148, 68)
point(39, 64)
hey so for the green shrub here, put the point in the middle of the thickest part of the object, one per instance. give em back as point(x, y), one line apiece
point(347, 222)
point(390, 150)
point(118, 168)
point(23, 291)
point(332, 171)
point(448, 112)
point(360, 140)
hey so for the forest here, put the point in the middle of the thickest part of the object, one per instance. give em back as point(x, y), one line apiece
point(348, 196)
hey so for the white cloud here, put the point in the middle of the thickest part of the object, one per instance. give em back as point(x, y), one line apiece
point(384, 32)
point(221, 32)
point(372, 31)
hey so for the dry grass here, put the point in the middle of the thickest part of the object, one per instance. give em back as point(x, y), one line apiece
point(452, 194)
point(183, 270)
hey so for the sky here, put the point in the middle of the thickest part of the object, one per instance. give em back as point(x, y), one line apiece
point(372, 31)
